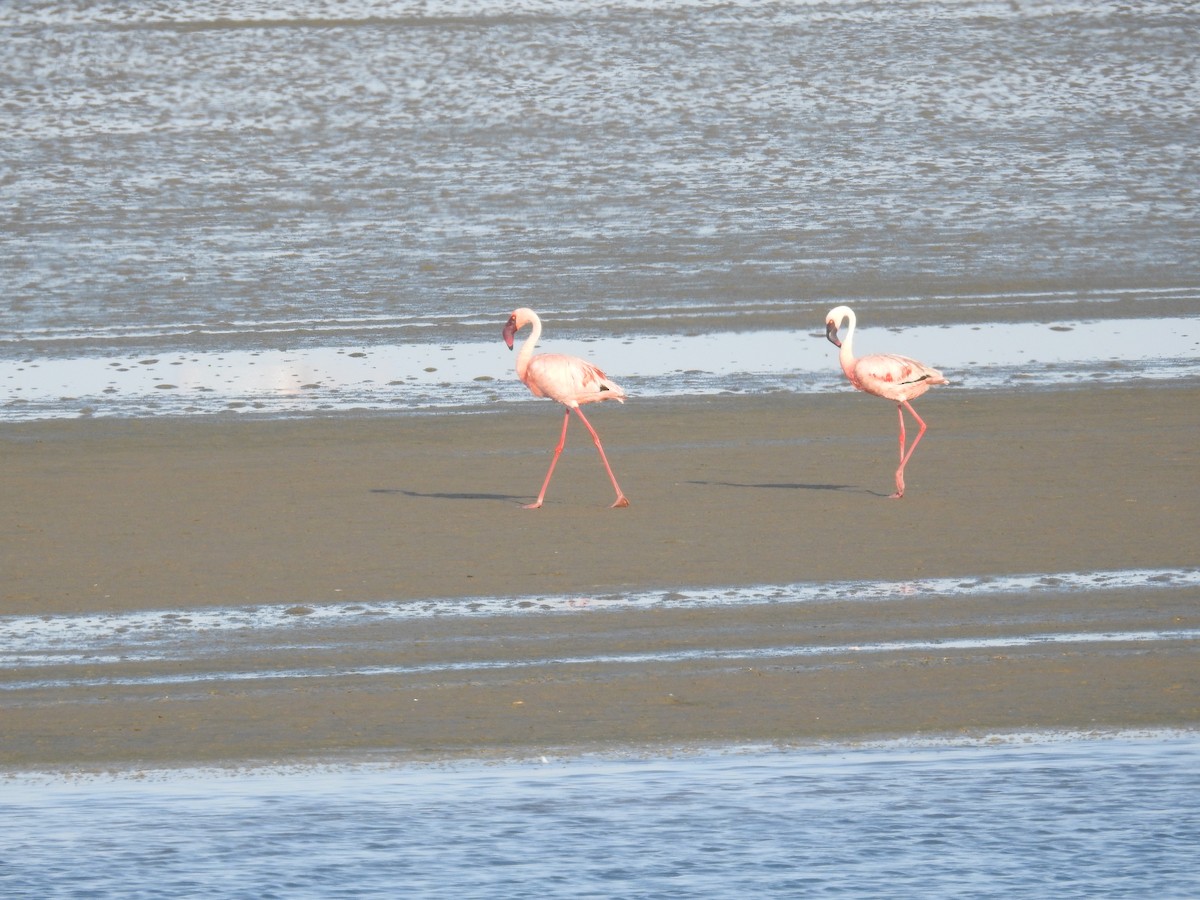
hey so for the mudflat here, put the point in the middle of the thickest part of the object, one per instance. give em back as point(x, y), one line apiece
point(182, 514)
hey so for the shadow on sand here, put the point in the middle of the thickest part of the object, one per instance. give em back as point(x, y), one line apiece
point(782, 486)
point(448, 495)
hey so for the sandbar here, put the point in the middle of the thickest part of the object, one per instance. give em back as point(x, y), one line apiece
point(187, 513)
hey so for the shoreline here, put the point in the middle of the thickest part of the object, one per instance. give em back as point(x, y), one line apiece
point(34, 777)
point(121, 515)
point(399, 379)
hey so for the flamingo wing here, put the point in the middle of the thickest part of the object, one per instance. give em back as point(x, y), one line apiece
point(570, 380)
point(894, 377)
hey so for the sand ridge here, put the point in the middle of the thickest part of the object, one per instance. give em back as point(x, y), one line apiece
point(188, 513)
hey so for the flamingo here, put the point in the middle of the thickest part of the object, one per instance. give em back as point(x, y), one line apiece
point(895, 378)
point(567, 379)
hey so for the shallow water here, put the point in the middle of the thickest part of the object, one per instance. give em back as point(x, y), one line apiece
point(1023, 816)
point(192, 649)
point(252, 194)
point(475, 376)
point(1012, 815)
point(169, 633)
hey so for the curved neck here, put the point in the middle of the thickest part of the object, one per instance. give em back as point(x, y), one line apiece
point(526, 352)
point(846, 351)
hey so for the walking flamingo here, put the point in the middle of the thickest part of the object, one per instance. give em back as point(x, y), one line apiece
point(886, 375)
point(567, 379)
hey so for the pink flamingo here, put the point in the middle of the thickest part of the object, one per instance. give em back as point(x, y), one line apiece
point(567, 379)
point(895, 378)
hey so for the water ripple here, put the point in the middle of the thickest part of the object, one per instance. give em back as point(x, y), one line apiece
point(149, 634)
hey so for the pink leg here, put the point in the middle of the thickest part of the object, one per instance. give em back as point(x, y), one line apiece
point(905, 457)
point(620, 501)
point(900, 471)
point(562, 439)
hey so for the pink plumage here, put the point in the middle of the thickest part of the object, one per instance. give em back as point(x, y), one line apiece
point(895, 378)
point(892, 377)
point(569, 380)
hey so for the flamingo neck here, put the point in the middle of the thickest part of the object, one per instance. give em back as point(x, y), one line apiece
point(526, 352)
point(846, 351)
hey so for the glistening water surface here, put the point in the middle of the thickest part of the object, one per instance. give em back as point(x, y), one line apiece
point(219, 206)
point(431, 376)
point(1026, 816)
point(186, 651)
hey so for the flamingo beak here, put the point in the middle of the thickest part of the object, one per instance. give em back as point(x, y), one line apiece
point(510, 331)
point(831, 328)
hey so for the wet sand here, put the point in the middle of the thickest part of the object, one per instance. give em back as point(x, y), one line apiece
point(104, 515)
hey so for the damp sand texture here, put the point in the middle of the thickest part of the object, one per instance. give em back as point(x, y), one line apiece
point(178, 515)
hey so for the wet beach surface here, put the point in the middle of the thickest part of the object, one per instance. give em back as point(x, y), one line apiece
point(705, 360)
point(175, 517)
point(520, 687)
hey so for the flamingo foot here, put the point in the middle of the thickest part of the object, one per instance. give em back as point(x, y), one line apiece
point(536, 505)
point(621, 502)
point(896, 496)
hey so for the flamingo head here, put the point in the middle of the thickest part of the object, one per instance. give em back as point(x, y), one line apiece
point(831, 332)
point(518, 320)
point(833, 321)
point(510, 330)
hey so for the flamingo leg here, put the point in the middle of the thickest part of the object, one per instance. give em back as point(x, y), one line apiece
point(905, 457)
point(620, 501)
point(562, 439)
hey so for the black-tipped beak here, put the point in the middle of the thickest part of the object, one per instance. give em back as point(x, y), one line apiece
point(510, 331)
point(831, 333)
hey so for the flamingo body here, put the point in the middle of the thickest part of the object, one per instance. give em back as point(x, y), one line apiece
point(887, 375)
point(569, 380)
